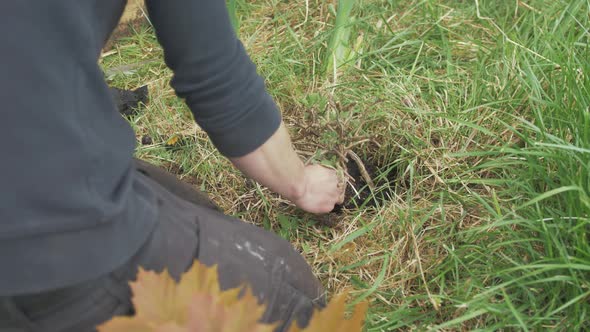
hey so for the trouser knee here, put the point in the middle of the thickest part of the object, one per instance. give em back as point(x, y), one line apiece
point(277, 273)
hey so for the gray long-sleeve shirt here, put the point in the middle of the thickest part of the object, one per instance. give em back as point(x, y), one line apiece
point(70, 206)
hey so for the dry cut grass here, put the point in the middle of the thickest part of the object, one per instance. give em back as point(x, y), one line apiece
point(443, 98)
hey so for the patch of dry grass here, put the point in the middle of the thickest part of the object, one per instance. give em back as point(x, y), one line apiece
point(374, 250)
point(433, 98)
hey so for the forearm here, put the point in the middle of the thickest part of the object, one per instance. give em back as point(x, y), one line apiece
point(275, 165)
point(213, 73)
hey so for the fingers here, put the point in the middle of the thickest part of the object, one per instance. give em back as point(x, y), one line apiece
point(325, 188)
point(334, 189)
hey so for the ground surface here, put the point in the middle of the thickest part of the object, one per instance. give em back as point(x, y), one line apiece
point(472, 120)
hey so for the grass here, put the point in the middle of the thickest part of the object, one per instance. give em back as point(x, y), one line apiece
point(478, 110)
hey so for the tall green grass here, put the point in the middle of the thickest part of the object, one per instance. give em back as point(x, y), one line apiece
point(232, 9)
point(502, 83)
point(529, 268)
point(340, 48)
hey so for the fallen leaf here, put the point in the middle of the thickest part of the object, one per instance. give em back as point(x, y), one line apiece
point(331, 318)
point(210, 314)
point(125, 324)
point(155, 298)
point(204, 279)
point(197, 304)
point(175, 139)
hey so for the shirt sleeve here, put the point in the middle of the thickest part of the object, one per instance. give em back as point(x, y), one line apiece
point(213, 73)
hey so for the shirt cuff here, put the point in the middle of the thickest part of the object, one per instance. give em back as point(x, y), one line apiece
point(251, 132)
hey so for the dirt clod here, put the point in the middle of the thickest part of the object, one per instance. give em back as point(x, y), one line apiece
point(146, 140)
point(128, 101)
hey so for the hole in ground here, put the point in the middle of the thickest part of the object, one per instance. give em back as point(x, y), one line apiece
point(359, 194)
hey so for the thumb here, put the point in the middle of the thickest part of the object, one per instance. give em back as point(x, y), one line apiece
point(341, 185)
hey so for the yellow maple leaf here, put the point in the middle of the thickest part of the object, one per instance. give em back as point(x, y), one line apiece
point(195, 304)
point(173, 140)
point(207, 314)
point(203, 279)
point(331, 318)
point(154, 298)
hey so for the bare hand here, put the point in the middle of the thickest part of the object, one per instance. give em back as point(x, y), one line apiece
point(322, 189)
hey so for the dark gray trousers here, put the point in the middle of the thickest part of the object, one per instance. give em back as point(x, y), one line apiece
point(190, 227)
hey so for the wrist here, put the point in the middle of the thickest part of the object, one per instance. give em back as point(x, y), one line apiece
point(298, 185)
